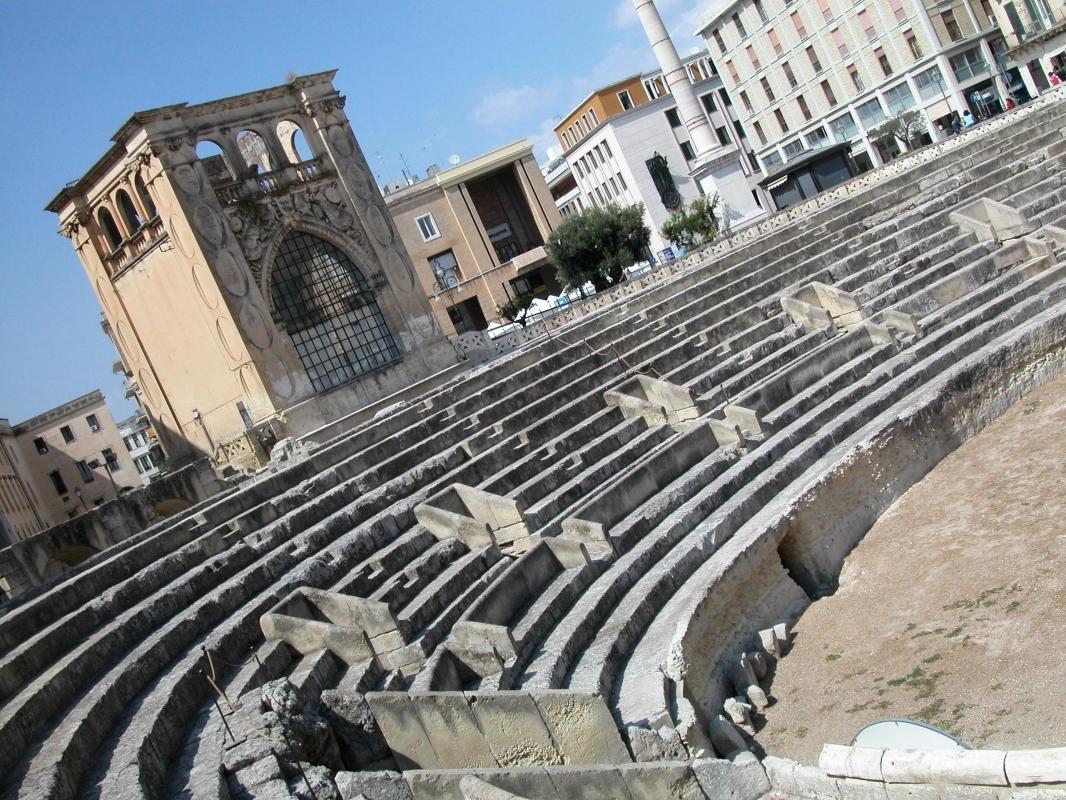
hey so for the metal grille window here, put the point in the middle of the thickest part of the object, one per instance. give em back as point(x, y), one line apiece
point(329, 312)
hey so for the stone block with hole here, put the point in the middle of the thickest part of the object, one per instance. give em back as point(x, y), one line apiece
point(353, 628)
point(657, 401)
point(474, 516)
point(991, 220)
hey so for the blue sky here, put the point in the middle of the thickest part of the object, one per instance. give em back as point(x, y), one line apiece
point(426, 79)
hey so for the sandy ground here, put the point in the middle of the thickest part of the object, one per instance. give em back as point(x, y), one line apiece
point(952, 610)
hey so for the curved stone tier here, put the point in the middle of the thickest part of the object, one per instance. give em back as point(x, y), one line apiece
point(566, 573)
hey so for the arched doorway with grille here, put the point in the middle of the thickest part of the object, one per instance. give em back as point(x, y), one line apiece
point(328, 309)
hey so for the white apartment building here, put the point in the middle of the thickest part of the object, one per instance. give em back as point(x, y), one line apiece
point(561, 183)
point(141, 445)
point(610, 160)
point(807, 73)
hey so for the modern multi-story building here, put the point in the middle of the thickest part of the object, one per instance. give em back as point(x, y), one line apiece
point(1035, 31)
point(562, 184)
point(248, 270)
point(142, 445)
point(20, 515)
point(808, 73)
point(611, 138)
point(476, 235)
point(72, 458)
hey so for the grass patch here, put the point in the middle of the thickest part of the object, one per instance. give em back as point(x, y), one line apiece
point(932, 659)
point(832, 657)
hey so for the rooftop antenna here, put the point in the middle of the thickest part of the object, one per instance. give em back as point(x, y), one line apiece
point(407, 171)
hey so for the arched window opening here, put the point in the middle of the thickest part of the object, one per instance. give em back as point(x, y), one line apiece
point(254, 150)
point(129, 213)
point(110, 229)
point(329, 312)
point(146, 199)
point(215, 163)
point(293, 142)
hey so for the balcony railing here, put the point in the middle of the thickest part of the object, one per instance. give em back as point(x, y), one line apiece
point(135, 245)
point(507, 249)
point(232, 192)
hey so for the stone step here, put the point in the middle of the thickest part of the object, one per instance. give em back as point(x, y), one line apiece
point(545, 515)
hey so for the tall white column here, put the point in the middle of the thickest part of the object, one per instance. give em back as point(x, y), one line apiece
point(703, 138)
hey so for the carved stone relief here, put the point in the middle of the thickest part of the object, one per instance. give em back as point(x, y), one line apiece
point(181, 236)
point(379, 226)
point(257, 326)
point(210, 225)
point(403, 275)
point(231, 275)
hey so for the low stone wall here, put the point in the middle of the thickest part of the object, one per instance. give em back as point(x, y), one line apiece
point(31, 562)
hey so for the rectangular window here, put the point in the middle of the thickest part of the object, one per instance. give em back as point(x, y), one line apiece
point(585, 122)
point(827, 14)
point(930, 83)
point(427, 227)
point(621, 181)
point(882, 59)
point(719, 41)
point(606, 148)
point(755, 63)
point(856, 79)
point(761, 10)
point(767, 90)
point(870, 113)
point(812, 56)
point(84, 471)
point(445, 269)
point(740, 26)
point(793, 148)
point(743, 99)
point(912, 43)
point(968, 65)
point(838, 40)
point(771, 160)
point(951, 25)
point(775, 41)
point(595, 119)
point(781, 120)
point(844, 128)
point(688, 150)
point(598, 150)
point(93, 423)
point(41, 446)
point(128, 441)
point(614, 186)
point(898, 10)
point(899, 98)
point(673, 118)
point(722, 134)
point(817, 138)
point(790, 76)
point(759, 133)
point(827, 90)
point(57, 482)
point(801, 101)
point(733, 72)
point(797, 22)
point(867, 25)
point(67, 433)
point(708, 102)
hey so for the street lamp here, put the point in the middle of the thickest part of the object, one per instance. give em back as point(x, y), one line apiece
point(95, 464)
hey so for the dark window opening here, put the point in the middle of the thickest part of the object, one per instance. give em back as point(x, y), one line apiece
point(329, 311)
point(57, 482)
point(41, 445)
point(67, 433)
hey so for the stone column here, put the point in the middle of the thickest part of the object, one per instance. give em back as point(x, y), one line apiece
point(688, 106)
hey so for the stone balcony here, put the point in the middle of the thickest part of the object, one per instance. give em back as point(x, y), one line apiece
point(274, 182)
point(131, 249)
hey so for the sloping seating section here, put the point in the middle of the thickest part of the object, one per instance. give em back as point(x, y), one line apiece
point(609, 514)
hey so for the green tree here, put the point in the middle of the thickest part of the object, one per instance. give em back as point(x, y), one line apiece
point(905, 128)
point(697, 223)
point(597, 244)
point(516, 309)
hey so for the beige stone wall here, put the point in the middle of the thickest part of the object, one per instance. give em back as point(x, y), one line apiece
point(62, 456)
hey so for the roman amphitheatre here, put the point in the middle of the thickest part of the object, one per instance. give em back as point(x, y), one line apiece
point(682, 546)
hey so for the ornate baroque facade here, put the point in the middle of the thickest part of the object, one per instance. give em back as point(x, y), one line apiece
point(257, 292)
